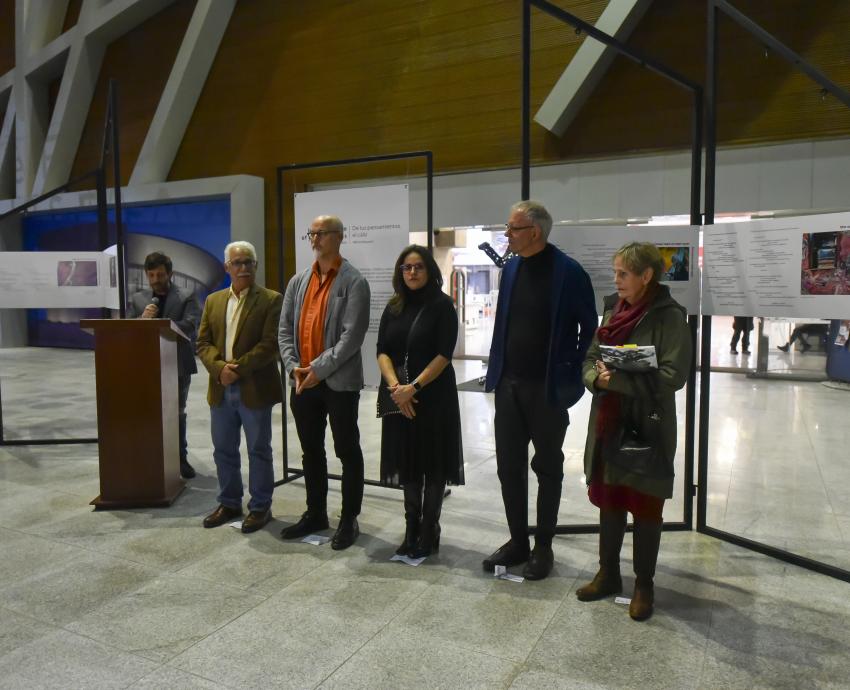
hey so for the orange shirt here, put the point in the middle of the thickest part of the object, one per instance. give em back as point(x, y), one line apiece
point(311, 329)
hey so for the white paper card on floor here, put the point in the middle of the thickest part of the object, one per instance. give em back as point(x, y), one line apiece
point(501, 573)
point(407, 559)
point(622, 600)
point(315, 539)
point(236, 525)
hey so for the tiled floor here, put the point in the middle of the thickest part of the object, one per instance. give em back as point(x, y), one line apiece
point(149, 599)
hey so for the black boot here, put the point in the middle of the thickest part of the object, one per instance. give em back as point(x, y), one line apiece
point(412, 516)
point(429, 533)
point(612, 528)
point(647, 539)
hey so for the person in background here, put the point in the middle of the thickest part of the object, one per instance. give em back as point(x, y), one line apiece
point(421, 446)
point(165, 300)
point(741, 327)
point(237, 345)
point(816, 330)
point(642, 312)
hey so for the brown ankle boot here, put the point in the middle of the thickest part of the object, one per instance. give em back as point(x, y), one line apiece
point(647, 539)
point(604, 583)
point(643, 599)
point(612, 527)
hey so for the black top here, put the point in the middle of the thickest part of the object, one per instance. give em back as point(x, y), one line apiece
point(530, 318)
point(435, 332)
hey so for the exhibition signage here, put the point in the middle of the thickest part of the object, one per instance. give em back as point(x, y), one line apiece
point(781, 267)
point(377, 228)
point(58, 280)
point(594, 246)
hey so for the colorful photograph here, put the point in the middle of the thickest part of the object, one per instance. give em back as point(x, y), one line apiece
point(825, 263)
point(677, 262)
point(76, 273)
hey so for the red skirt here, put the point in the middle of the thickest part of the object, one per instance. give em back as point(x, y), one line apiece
point(616, 497)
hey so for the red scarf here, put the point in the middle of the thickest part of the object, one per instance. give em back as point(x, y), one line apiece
point(616, 332)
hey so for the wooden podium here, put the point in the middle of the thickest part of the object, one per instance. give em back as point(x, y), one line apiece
point(137, 422)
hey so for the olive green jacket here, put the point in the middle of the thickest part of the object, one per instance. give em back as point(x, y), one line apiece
point(665, 326)
point(254, 346)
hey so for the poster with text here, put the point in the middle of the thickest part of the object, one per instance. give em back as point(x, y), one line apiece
point(780, 267)
point(594, 246)
point(377, 228)
point(57, 280)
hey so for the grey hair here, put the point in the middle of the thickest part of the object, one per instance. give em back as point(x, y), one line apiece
point(537, 214)
point(331, 223)
point(240, 244)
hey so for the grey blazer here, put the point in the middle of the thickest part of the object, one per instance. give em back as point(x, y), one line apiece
point(340, 365)
point(183, 308)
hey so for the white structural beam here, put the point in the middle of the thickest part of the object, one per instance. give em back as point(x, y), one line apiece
point(181, 92)
point(97, 27)
point(588, 66)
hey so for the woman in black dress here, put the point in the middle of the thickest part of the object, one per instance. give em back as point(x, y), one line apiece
point(421, 445)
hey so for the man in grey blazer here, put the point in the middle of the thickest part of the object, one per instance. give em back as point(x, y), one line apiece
point(323, 322)
point(164, 300)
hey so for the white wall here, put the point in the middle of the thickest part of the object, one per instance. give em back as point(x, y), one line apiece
point(802, 175)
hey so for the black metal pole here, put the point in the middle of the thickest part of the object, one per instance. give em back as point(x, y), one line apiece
point(705, 347)
point(429, 182)
point(526, 100)
point(116, 181)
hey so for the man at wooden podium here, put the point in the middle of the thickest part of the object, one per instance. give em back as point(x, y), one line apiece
point(237, 343)
point(165, 300)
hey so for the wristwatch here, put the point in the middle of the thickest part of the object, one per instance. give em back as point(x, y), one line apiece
point(416, 386)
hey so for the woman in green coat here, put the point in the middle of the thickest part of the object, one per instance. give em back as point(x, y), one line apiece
point(642, 312)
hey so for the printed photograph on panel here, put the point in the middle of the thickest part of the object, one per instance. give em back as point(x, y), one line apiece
point(825, 263)
point(76, 273)
point(677, 262)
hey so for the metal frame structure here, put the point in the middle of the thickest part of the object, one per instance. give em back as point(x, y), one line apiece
point(696, 163)
point(290, 474)
point(715, 8)
point(109, 148)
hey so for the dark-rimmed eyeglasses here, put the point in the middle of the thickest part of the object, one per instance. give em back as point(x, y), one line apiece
point(410, 268)
point(514, 228)
point(313, 234)
point(241, 263)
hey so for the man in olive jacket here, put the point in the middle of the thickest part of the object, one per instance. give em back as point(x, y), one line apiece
point(237, 343)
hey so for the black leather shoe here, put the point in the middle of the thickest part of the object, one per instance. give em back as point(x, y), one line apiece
point(507, 555)
point(346, 534)
point(222, 515)
point(257, 519)
point(186, 470)
point(539, 563)
point(306, 525)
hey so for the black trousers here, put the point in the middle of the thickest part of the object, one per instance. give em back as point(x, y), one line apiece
point(523, 415)
point(182, 396)
point(743, 333)
point(311, 411)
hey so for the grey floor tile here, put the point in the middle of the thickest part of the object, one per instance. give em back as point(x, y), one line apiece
point(63, 660)
point(538, 679)
point(18, 630)
point(490, 616)
point(167, 677)
point(412, 659)
point(163, 618)
point(67, 590)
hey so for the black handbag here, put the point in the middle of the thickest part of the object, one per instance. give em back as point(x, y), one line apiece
point(636, 446)
point(385, 404)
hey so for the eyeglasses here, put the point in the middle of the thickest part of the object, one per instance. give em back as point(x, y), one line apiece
point(514, 228)
point(410, 268)
point(313, 234)
point(241, 263)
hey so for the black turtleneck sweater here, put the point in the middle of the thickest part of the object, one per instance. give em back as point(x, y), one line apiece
point(530, 318)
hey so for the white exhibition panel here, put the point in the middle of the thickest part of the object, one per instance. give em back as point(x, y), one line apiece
point(781, 267)
point(594, 246)
point(377, 228)
point(57, 280)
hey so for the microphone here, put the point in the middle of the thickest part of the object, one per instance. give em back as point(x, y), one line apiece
point(155, 303)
